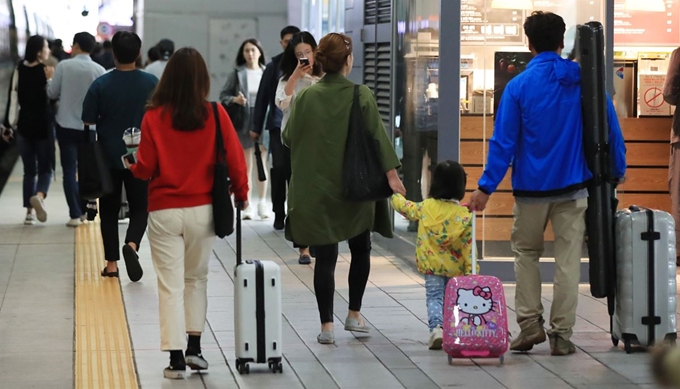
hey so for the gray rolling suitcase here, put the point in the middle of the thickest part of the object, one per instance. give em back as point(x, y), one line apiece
point(645, 306)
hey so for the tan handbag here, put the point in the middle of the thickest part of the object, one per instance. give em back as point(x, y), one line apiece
point(13, 115)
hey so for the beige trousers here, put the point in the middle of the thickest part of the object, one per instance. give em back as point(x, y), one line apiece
point(251, 168)
point(181, 241)
point(568, 222)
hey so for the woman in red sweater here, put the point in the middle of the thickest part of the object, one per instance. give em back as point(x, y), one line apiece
point(177, 155)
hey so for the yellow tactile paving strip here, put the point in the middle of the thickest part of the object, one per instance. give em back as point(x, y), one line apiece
point(103, 357)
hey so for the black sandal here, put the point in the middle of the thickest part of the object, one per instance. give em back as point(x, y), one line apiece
point(112, 274)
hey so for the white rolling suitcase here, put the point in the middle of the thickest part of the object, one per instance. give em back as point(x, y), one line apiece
point(257, 310)
point(645, 301)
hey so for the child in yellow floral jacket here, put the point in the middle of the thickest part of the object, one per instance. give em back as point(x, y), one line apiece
point(443, 247)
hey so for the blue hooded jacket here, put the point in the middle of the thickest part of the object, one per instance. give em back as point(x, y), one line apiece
point(539, 128)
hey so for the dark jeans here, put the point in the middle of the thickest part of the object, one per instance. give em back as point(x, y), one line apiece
point(280, 173)
point(35, 156)
point(69, 140)
point(324, 274)
point(109, 206)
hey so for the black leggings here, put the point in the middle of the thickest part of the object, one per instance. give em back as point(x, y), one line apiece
point(324, 274)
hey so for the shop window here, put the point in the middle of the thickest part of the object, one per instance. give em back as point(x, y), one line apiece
point(645, 34)
point(415, 91)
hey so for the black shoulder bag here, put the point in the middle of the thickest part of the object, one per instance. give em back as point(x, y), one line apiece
point(94, 177)
point(363, 176)
point(223, 210)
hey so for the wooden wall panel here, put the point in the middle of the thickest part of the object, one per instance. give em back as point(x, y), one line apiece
point(472, 127)
point(647, 143)
point(647, 154)
point(633, 129)
point(637, 180)
point(637, 154)
point(647, 129)
point(501, 204)
point(474, 173)
point(652, 200)
point(472, 153)
point(645, 180)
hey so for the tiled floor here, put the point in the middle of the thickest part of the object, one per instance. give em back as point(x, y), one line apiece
point(36, 323)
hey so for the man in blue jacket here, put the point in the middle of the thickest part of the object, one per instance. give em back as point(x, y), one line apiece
point(266, 109)
point(539, 129)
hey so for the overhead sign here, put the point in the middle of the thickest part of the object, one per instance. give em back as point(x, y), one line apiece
point(641, 28)
point(105, 30)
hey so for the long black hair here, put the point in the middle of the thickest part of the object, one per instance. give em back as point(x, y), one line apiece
point(448, 181)
point(290, 61)
point(241, 59)
point(34, 46)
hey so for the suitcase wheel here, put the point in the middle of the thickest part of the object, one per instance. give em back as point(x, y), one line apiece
point(242, 367)
point(615, 341)
point(450, 358)
point(502, 359)
point(275, 366)
point(627, 346)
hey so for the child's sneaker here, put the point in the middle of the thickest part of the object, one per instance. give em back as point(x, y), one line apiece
point(436, 338)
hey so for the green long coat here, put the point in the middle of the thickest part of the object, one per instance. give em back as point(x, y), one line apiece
point(316, 133)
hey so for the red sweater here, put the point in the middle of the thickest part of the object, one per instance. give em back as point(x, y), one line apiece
point(181, 164)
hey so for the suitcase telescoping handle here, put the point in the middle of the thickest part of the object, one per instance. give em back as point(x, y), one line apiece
point(474, 243)
point(239, 238)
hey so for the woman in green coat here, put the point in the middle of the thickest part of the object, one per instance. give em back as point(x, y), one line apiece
point(318, 215)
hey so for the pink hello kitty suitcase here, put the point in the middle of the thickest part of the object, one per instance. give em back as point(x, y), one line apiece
point(475, 316)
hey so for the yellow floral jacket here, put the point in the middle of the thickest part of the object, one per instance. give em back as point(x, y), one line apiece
point(444, 243)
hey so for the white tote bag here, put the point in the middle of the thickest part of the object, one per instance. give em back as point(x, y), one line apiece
point(13, 115)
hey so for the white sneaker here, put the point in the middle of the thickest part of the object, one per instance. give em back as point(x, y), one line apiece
point(74, 223)
point(39, 205)
point(263, 210)
point(436, 335)
point(247, 214)
point(30, 219)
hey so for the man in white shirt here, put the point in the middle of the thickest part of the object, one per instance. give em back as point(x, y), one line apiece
point(69, 83)
point(165, 48)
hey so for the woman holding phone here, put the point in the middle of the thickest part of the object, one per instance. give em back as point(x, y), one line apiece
point(299, 72)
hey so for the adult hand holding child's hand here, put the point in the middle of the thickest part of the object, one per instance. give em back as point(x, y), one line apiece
point(478, 201)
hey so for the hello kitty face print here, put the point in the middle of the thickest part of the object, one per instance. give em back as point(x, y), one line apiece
point(475, 303)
